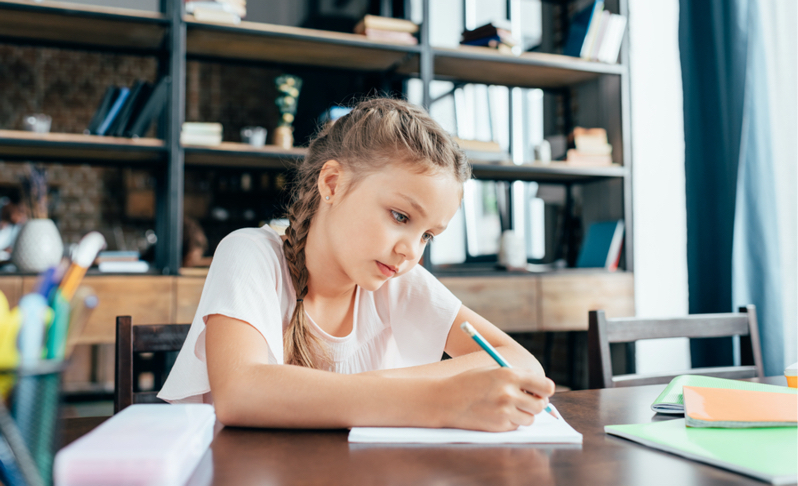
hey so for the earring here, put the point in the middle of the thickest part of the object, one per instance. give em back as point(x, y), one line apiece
point(327, 198)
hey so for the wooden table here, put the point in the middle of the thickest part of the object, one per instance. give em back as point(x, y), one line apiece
point(276, 457)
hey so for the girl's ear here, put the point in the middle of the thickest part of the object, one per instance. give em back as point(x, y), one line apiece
point(330, 180)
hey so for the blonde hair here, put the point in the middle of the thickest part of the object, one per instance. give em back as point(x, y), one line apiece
point(377, 132)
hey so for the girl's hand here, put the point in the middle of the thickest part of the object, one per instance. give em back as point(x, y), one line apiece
point(493, 399)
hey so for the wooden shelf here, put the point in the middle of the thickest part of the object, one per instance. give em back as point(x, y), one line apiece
point(70, 24)
point(255, 41)
point(529, 70)
point(551, 172)
point(79, 148)
point(230, 154)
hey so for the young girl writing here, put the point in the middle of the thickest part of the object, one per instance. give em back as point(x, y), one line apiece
point(335, 324)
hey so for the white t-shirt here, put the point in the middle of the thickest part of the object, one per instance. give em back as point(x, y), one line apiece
point(403, 323)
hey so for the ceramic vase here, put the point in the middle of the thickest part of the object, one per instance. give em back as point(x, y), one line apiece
point(38, 246)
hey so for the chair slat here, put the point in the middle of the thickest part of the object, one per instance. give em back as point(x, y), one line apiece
point(697, 326)
point(154, 338)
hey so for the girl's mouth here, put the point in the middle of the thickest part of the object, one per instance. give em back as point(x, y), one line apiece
point(386, 270)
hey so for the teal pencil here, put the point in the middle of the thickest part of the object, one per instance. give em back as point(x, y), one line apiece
point(484, 344)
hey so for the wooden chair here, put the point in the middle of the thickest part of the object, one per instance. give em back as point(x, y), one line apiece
point(132, 339)
point(603, 331)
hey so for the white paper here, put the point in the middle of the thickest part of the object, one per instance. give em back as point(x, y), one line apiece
point(545, 430)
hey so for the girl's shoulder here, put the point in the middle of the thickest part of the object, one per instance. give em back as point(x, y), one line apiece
point(249, 243)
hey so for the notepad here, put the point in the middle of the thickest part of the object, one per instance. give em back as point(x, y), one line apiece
point(545, 430)
point(767, 454)
point(671, 401)
point(152, 444)
point(718, 407)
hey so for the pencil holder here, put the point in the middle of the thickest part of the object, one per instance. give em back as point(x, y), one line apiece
point(29, 420)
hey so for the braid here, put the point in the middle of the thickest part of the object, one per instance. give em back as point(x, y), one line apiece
point(299, 343)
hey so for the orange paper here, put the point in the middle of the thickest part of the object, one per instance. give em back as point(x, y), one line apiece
point(718, 407)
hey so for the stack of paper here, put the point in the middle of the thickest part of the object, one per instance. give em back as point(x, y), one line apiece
point(545, 430)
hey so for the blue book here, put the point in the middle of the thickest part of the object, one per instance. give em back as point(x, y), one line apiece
point(114, 111)
point(602, 245)
point(579, 28)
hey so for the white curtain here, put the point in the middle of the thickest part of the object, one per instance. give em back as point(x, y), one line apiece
point(780, 28)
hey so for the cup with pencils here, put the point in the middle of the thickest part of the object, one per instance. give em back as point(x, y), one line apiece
point(36, 338)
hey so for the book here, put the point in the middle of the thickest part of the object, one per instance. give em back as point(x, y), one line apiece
point(578, 30)
point(133, 102)
point(142, 444)
point(124, 267)
point(385, 23)
point(238, 9)
point(111, 93)
point(151, 109)
point(603, 27)
point(114, 110)
point(117, 256)
point(490, 32)
point(545, 430)
point(611, 45)
point(722, 407)
point(575, 157)
point(205, 14)
point(601, 245)
point(592, 29)
point(671, 401)
point(391, 36)
point(767, 454)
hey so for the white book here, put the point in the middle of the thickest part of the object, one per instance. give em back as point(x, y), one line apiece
point(124, 267)
point(615, 247)
point(592, 29)
point(601, 36)
point(545, 430)
point(152, 444)
point(610, 54)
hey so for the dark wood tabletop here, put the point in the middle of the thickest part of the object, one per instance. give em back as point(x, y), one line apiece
point(291, 457)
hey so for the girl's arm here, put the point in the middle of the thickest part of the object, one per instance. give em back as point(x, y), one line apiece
point(249, 392)
point(466, 353)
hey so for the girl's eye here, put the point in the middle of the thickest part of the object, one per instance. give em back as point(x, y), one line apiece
point(428, 237)
point(399, 217)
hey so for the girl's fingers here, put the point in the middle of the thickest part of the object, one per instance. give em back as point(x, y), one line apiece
point(537, 385)
point(531, 404)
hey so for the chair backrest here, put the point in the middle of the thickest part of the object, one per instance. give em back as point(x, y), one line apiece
point(132, 339)
point(603, 331)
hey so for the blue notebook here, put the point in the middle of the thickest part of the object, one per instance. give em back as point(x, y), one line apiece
point(601, 245)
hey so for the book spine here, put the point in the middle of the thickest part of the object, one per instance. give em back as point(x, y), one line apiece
point(114, 111)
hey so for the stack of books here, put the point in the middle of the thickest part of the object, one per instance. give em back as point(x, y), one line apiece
point(222, 11)
point(121, 262)
point(596, 34)
point(387, 29)
point(494, 34)
point(478, 151)
point(197, 133)
point(129, 112)
point(591, 148)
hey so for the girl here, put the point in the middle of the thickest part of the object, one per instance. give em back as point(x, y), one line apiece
point(335, 324)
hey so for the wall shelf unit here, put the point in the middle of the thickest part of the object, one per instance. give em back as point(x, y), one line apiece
point(253, 41)
point(79, 149)
point(529, 70)
point(69, 24)
point(175, 37)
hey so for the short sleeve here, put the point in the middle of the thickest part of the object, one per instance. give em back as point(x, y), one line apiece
point(242, 284)
point(421, 312)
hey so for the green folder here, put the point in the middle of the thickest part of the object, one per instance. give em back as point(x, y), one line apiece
point(672, 401)
point(767, 453)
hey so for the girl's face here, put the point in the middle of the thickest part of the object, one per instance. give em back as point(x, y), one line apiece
point(378, 230)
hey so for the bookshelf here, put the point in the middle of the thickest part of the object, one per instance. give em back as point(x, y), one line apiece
point(174, 38)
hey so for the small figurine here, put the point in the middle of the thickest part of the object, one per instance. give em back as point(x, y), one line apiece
point(288, 87)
